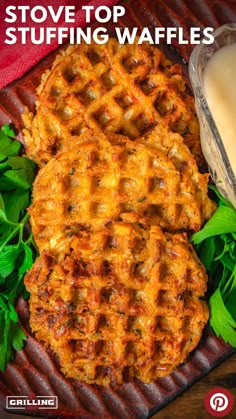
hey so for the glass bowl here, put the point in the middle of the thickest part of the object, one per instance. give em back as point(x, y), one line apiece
point(211, 142)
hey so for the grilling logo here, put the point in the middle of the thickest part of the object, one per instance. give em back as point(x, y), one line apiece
point(219, 402)
point(32, 402)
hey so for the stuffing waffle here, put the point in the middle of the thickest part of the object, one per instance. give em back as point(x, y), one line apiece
point(117, 291)
point(125, 89)
point(128, 306)
point(102, 178)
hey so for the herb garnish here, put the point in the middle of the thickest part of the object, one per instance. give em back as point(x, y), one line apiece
point(17, 247)
point(216, 248)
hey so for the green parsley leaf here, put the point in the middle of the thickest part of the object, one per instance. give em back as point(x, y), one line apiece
point(15, 204)
point(7, 146)
point(221, 320)
point(216, 247)
point(18, 337)
point(17, 247)
point(7, 131)
point(222, 221)
point(7, 260)
point(23, 172)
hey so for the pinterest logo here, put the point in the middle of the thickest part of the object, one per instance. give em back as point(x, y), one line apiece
point(219, 402)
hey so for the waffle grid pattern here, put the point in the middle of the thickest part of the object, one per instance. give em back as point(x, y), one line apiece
point(131, 310)
point(125, 89)
point(97, 182)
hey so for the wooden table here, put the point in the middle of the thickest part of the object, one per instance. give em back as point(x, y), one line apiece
point(190, 405)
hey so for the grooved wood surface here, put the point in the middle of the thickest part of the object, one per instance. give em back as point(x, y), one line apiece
point(191, 402)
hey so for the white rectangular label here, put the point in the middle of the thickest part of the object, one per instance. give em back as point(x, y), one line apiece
point(26, 402)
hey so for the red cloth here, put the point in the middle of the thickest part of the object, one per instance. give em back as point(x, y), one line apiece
point(16, 59)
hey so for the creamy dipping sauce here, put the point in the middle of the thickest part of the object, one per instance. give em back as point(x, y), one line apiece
point(219, 83)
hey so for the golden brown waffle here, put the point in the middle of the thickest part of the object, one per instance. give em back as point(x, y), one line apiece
point(125, 89)
point(127, 306)
point(98, 179)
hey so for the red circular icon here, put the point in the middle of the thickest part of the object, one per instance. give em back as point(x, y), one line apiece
point(219, 402)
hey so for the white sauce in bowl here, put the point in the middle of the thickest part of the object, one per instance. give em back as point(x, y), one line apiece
point(219, 85)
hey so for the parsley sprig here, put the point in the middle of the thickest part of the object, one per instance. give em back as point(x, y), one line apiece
point(17, 248)
point(216, 248)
